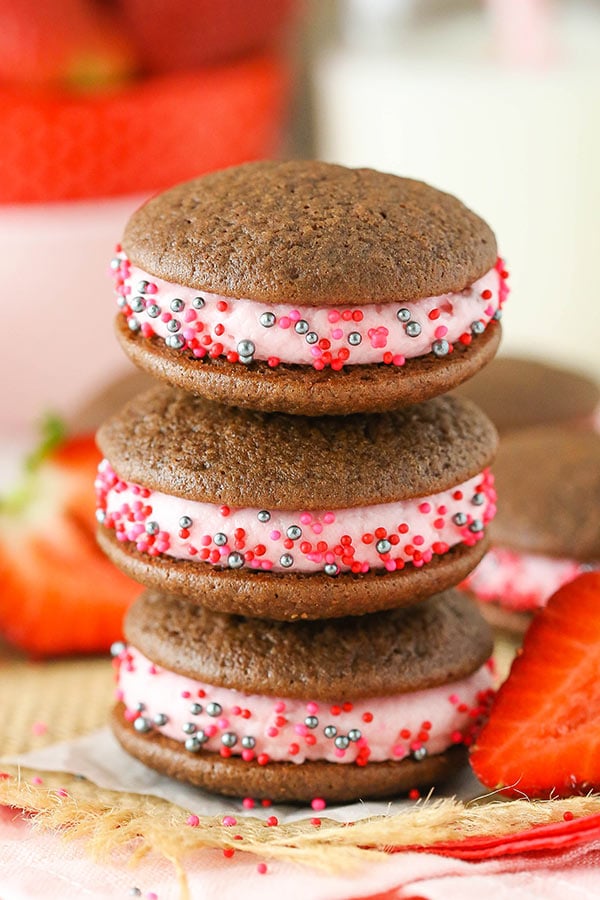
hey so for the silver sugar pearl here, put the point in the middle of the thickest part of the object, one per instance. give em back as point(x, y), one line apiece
point(137, 304)
point(419, 754)
point(383, 546)
point(248, 742)
point(143, 286)
point(354, 338)
point(478, 499)
point(115, 263)
point(152, 527)
point(121, 302)
point(198, 302)
point(312, 337)
point(196, 709)
point(413, 329)
point(331, 569)
point(229, 739)
point(246, 360)
point(193, 744)
point(188, 728)
point(153, 311)
point(311, 721)
point(341, 742)
point(202, 737)
point(497, 315)
point(173, 325)
point(177, 304)
point(246, 348)
point(214, 709)
point(294, 532)
point(476, 526)
point(235, 560)
point(267, 320)
point(301, 326)
point(175, 341)
point(220, 539)
point(440, 348)
point(133, 324)
point(459, 519)
point(142, 724)
point(263, 515)
point(403, 315)
point(135, 892)
point(160, 719)
point(330, 731)
point(117, 648)
point(185, 522)
point(477, 327)
point(140, 707)
point(354, 735)
point(100, 515)
point(286, 560)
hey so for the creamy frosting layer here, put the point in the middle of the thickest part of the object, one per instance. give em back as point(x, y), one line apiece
point(242, 330)
point(521, 581)
point(382, 536)
point(265, 729)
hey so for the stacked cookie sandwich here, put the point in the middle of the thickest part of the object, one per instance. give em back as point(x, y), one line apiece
point(297, 492)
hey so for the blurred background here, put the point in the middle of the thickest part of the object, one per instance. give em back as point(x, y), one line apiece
point(105, 102)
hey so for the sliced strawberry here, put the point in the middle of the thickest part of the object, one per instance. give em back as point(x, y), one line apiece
point(58, 593)
point(543, 734)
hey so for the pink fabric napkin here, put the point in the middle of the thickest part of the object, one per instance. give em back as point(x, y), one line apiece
point(35, 864)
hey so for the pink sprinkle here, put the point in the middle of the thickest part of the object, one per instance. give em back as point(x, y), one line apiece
point(424, 507)
point(229, 821)
point(337, 334)
point(284, 322)
point(390, 565)
point(328, 518)
point(441, 331)
point(151, 896)
point(39, 728)
point(61, 792)
point(280, 706)
point(312, 708)
point(318, 804)
point(453, 698)
point(166, 317)
point(295, 315)
point(399, 751)
point(317, 528)
point(261, 868)
point(206, 540)
point(192, 820)
point(248, 803)
point(305, 518)
point(333, 316)
point(223, 723)
point(275, 535)
point(190, 316)
point(37, 780)
point(398, 360)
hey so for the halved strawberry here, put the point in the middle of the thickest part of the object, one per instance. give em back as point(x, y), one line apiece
point(58, 593)
point(543, 733)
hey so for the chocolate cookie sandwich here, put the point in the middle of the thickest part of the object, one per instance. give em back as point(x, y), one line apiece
point(341, 710)
point(516, 392)
point(309, 288)
point(547, 530)
point(284, 516)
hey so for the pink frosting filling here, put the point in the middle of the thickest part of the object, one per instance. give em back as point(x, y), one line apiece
point(383, 536)
point(209, 325)
point(266, 729)
point(520, 581)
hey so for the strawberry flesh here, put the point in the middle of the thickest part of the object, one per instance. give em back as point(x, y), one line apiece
point(543, 734)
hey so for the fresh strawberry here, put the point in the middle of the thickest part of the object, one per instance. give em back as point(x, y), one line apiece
point(58, 593)
point(182, 34)
point(543, 734)
point(75, 44)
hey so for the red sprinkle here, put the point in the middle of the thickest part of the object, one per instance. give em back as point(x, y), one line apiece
point(318, 804)
point(193, 821)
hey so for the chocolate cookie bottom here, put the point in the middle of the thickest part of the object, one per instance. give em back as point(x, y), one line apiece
point(284, 781)
point(283, 596)
point(302, 390)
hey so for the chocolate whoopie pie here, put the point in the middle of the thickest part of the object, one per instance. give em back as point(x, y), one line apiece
point(309, 288)
point(547, 530)
point(342, 710)
point(289, 517)
point(520, 393)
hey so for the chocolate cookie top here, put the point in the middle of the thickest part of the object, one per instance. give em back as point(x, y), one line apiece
point(310, 233)
point(176, 443)
point(442, 639)
point(520, 393)
point(548, 482)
